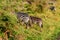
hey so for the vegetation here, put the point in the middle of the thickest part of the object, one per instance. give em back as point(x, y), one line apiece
point(38, 8)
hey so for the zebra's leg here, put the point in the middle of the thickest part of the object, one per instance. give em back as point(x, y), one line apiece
point(27, 25)
point(41, 26)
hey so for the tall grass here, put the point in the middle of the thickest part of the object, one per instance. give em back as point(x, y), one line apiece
point(51, 21)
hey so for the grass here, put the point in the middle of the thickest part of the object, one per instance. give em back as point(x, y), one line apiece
point(51, 20)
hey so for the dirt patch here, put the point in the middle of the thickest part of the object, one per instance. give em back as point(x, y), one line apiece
point(20, 37)
point(1, 38)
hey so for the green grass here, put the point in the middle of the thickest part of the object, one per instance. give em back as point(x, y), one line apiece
point(51, 21)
